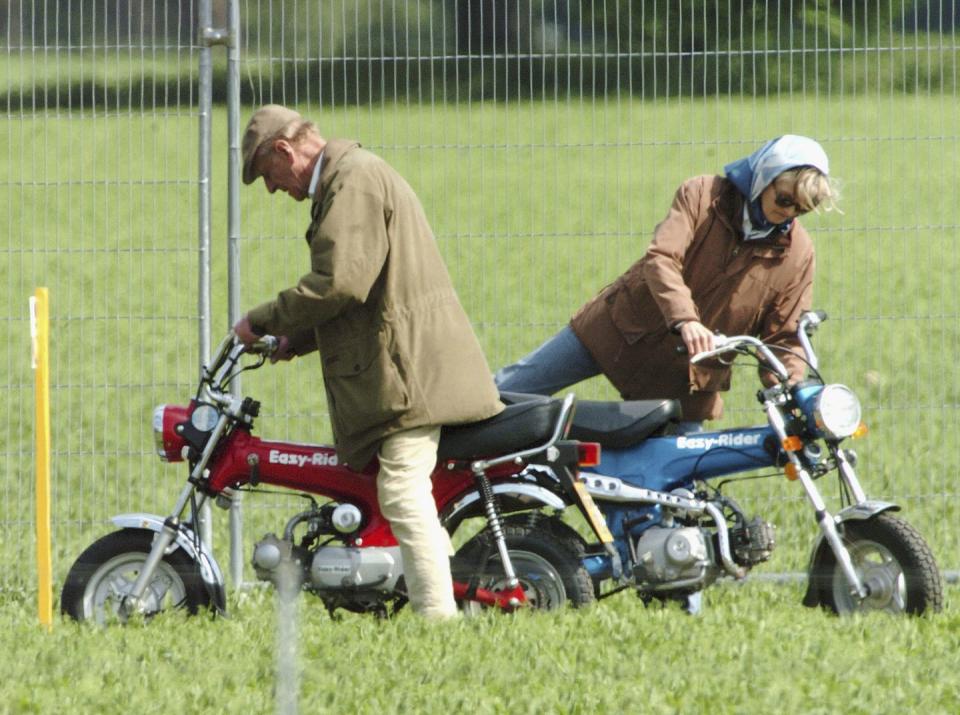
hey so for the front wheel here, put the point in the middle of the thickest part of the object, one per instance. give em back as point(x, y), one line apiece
point(892, 560)
point(548, 565)
point(105, 573)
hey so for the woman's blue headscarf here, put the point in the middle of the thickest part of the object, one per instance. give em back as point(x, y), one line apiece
point(754, 173)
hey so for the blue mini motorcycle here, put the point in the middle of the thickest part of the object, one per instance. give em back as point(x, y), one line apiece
point(674, 532)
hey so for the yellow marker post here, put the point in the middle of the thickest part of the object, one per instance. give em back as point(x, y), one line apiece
point(39, 333)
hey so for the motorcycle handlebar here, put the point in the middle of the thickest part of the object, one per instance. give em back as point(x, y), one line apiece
point(224, 359)
point(807, 325)
point(267, 345)
point(811, 320)
point(723, 344)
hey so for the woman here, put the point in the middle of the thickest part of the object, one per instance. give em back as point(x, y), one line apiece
point(730, 257)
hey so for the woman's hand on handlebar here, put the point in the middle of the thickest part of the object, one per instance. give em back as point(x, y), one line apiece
point(696, 337)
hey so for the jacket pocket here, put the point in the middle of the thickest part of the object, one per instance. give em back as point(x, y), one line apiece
point(364, 386)
point(635, 314)
point(709, 378)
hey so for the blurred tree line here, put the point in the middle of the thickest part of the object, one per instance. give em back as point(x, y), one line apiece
point(446, 50)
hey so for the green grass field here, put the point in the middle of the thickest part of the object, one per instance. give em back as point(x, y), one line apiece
point(536, 206)
point(754, 650)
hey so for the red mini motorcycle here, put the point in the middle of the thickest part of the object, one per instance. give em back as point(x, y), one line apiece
point(504, 470)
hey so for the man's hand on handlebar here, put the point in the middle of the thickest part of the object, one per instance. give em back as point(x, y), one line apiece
point(244, 331)
point(278, 348)
point(283, 353)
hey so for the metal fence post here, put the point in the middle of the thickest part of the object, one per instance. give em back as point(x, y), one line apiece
point(209, 37)
point(205, 104)
point(233, 247)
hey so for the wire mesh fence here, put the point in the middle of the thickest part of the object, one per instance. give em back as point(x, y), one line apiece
point(99, 196)
point(545, 140)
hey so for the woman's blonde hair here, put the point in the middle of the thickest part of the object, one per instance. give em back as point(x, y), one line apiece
point(812, 190)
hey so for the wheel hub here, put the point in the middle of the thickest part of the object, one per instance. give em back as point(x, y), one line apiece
point(881, 585)
point(879, 572)
point(109, 592)
point(541, 584)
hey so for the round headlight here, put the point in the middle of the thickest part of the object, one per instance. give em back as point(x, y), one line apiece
point(168, 441)
point(837, 412)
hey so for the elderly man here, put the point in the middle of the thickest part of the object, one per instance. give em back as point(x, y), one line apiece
point(398, 352)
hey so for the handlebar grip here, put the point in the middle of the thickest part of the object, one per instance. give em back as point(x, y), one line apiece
point(719, 340)
point(266, 345)
point(270, 344)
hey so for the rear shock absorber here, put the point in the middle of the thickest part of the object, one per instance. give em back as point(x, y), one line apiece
point(495, 522)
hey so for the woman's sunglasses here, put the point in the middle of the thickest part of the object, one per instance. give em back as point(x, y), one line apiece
point(786, 201)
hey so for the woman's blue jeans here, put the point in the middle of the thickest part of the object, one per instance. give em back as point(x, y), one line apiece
point(560, 362)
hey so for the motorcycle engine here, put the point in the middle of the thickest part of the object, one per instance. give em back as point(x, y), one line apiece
point(330, 567)
point(752, 541)
point(668, 555)
point(336, 567)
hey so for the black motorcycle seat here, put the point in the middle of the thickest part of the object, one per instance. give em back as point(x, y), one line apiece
point(617, 425)
point(517, 427)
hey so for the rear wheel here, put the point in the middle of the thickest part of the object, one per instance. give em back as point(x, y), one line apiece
point(548, 565)
point(105, 573)
point(892, 560)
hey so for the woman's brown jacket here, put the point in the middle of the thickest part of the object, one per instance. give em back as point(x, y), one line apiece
point(698, 267)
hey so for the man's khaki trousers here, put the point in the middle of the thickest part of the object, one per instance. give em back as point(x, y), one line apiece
point(406, 500)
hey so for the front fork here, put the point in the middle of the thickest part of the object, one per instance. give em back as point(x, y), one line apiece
point(827, 523)
point(133, 601)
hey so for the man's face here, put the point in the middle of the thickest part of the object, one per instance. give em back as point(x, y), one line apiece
point(285, 168)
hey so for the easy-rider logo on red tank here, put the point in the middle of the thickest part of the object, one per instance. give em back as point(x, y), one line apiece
point(317, 459)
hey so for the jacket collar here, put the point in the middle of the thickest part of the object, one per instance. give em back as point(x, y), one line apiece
point(332, 153)
point(728, 206)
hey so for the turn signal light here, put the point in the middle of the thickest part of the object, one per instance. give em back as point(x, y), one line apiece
point(861, 431)
point(588, 454)
point(792, 444)
point(791, 471)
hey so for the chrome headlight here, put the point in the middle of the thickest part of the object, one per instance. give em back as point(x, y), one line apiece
point(158, 431)
point(837, 411)
point(168, 441)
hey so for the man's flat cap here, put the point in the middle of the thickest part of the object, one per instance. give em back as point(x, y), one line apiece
point(268, 122)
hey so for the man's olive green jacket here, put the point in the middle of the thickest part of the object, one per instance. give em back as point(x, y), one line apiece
point(397, 348)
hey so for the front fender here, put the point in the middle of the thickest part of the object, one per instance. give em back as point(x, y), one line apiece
point(209, 568)
point(822, 557)
point(512, 496)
